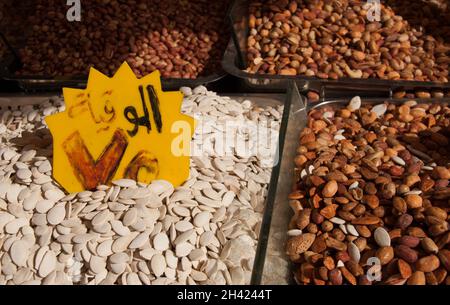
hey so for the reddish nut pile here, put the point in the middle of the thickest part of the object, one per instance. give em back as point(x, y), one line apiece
point(182, 39)
point(371, 198)
point(334, 39)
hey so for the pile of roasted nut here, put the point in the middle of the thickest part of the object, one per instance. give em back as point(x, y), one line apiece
point(335, 39)
point(372, 195)
point(181, 39)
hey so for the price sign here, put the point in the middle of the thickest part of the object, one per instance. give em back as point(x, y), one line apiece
point(120, 127)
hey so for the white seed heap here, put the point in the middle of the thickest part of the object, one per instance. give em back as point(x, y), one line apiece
point(204, 232)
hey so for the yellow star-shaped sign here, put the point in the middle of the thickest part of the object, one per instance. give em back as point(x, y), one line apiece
point(120, 127)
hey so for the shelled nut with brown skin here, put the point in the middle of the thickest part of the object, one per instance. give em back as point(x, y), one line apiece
point(335, 39)
point(405, 228)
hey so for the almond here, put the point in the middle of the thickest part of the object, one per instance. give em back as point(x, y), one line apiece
point(335, 277)
point(404, 221)
point(417, 278)
point(367, 220)
point(413, 201)
point(371, 200)
point(441, 172)
point(330, 189)
point(438, 229)
point(363, 231)
point(319, 244)
point(323, 273)
point(335, 244)
point(429, 245)
point(338, 176)
point(409, 241)
point(354, 268)
point(436, 212)
point(348, 275)
point(296, 195)
point(316, 180)
point(316, 217)
point(307, 272)
point(443, 240)
point(444, 256)
point(343, 256)
point(399, 204)
point(385, 254)
point(440, 275)
point(406, 253)
point(307, 138)
point(404, 268)
point(410, 180)
point(428, 263)
point(431, 278)
point(300, 244)
point(417, 232)
point(396, 170)
point(426, 184)
point(396, 233)
point(396, 279)
point(329, 211)
point(303, 218)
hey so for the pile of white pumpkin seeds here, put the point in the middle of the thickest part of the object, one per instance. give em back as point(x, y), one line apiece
point(204, 232)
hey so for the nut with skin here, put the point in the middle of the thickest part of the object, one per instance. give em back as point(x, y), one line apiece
point(404, 269)
point(385, 255)
point(299, 244)
point(429, 245)
point(444, 257)
point(428, 263)
point(335, 277)
point(417, 278)
point(303, 218)
point(406, 253)
point(413, 201)
point(409, 241)
point(330, 189)
point(404, 221)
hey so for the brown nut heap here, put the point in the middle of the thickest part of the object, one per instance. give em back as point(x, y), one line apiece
point(181, 39)
point(372, 195)
point(334, 39)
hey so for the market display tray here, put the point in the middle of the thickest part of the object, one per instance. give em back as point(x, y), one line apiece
point(234, 63)
point(11, 63)
point(291, 98)
point(273, 267)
